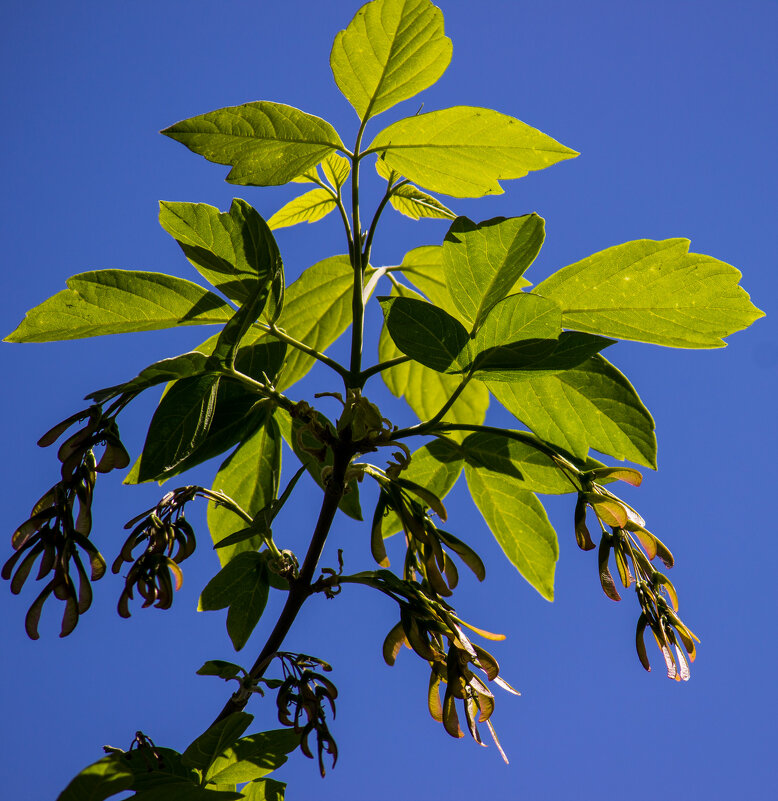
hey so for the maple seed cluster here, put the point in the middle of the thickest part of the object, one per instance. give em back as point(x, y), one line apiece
point(624, 534)
point(55, 532)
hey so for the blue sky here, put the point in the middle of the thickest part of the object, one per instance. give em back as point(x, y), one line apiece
point(671, 106)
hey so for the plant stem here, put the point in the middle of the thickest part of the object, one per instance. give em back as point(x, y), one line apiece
point(300, 588)
point(357, 300)
point(377, 368)
point(281, 335)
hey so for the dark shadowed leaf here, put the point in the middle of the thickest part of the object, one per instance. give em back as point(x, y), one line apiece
point(231, 250)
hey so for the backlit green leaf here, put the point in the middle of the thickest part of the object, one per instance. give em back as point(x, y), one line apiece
point(336, 169)
point(202, 751)
point(265, 790)
point(249, 476)
point(589, 406)
point(231, 250)
point(412, 202)
point(310, 207)
point(532, 469)
point(117, 302)
point(317, 310)
point(463, 151)
point(652, 291)
point(242, 585)
point(179, 425)
point(426, 333)
point(266, 144)
point(252, 757)
point(100, 780)
point(520, 525)
point(519, 317)
point(391, 50)
point(483, 261)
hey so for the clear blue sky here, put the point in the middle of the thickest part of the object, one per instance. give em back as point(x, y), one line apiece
point(672, 107)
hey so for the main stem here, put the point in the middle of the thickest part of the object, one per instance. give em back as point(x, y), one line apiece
point(358, 265)
point(300, 588)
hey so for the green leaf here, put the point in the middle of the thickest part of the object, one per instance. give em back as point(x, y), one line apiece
point(317, 310)
point(252, 757)
point(519, 524)
point(424, 267)
point(463, 151)
point(426, 333)
point(267, 144)
point(652, 291)
point(310, 207)
point(426, 391)
point(436, 466)
point(117, 302)
point(521, 316)
point(249, 476)
point(265, 790)
point(100, 780)
point(531, 468)
point(412, 202)
point(238, 411)
point(181, 790)
point(483, 261)
point(209, 745)
point(179, 425)
point(592, 405)
point(349, 503)
point(508, 362)
point(231, 250)
point(220, 668)
point(166, 778)
point(183, 366)
point(391, 50)
point(243, 586)
point(336, 170)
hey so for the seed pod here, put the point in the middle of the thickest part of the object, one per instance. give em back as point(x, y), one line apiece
point(582, 536)
point(606, 579)
point(433, 694)
point(377, 547)
point(465, 553)
point(640, 643)
point(394, 641)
